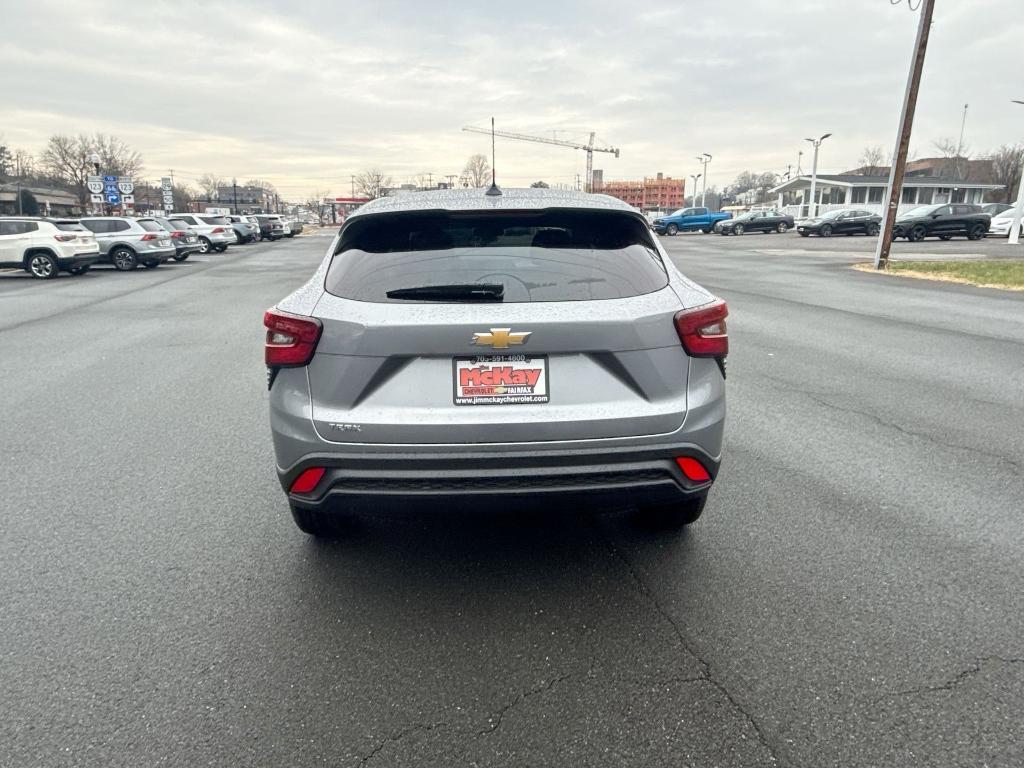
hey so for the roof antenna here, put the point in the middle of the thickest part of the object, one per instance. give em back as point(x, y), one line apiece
point(493, 191)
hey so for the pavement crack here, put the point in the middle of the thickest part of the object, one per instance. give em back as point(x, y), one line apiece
point(707, 673)
point(398, 736)
point(496, 718)
point(960, 678)
point(913, 433)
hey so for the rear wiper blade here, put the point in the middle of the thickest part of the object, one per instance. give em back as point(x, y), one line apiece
point(460, 292)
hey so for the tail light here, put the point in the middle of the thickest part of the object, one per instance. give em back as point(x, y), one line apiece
point(693, 469)
point(308, 480)
point(702, 330)
point(65, 238)
point(218, 231)
point(291, 339)
point(178, 235)
point(150, 236)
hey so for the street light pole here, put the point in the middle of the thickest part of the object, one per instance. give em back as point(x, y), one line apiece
point(812, 208)
point(1018, 208)
point(705, 158)
point(234, 191)
point(899, 162)
point(694, 177)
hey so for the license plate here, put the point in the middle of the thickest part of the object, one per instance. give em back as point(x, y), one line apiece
point(164, 243)
point(190, 239)
point(500, 380)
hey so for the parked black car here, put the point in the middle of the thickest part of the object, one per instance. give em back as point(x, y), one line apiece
point(841, 222)
point(755, 221)
point(943, 221)
point(185, 240)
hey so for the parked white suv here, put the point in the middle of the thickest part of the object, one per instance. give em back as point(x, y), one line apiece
point(44, 247)
point(215, 232)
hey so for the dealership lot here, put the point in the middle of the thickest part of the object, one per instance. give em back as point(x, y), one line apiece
point(852, 596)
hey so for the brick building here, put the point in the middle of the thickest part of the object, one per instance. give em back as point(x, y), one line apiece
point(660, 193)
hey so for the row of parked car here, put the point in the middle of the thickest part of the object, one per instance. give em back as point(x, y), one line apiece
point(44, 247)
point(944, 221)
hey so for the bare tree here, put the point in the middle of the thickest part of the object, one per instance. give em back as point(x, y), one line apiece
point(1006, 170)
point(66, 159)
point(373, 183)
point(872, 161)
point(24, 164)
point(6, 159)
point(315, 203)
point(210, 183)
point(478, 170)
point(954, 157)
point(266, 186)
point(116, 157)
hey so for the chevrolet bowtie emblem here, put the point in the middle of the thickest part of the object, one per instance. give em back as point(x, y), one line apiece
point(501, 338)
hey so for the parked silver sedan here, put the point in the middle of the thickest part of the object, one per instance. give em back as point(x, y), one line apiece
point(457, 348)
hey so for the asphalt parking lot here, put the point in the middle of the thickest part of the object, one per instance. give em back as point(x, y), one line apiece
point(853, 595)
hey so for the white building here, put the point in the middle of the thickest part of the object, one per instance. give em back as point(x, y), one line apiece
point(868, 192)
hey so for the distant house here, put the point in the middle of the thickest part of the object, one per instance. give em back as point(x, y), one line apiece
point(51, 202)
point(868, 192)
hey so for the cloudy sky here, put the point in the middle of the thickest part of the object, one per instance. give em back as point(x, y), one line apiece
point(305, 94)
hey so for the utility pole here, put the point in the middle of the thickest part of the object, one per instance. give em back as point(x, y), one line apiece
point(694, 196)
point(812, 208)
point(799, 160)
point(899, 164)
point(234, 190)
point(960, 146)
point(705, 158)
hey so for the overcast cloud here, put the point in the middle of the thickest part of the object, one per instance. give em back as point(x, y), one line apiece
point(306, 94)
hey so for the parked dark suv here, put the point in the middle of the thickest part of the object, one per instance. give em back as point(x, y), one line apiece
point(943, 221)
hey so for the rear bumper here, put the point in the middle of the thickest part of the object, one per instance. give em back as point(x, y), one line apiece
point(599, 479)
point(78, 260)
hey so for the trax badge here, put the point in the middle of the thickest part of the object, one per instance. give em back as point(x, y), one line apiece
point(501, 338)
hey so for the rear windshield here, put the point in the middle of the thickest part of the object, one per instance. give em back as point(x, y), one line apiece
point(150, 226)
point(178, 224)
point(69, 226)
point(552, 255)
point(220, 220)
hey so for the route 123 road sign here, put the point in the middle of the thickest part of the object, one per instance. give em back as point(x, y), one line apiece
point(95, 184)
point(165, 183)
point(125, 184)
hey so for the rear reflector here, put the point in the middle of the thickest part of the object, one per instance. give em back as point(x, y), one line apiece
point(291, 339)
point(702, 330)
point(693, 469)
point(308, 480)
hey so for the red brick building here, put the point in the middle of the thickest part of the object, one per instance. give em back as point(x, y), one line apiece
point(661, 193)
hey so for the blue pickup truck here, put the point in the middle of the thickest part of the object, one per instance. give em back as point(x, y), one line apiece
point(688, 220)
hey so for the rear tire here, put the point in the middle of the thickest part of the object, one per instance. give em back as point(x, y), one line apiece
point(670, 517)
point(124, 259)
point(873, 230)
point(314, 523)
point(181, 256)
point(80, 270)
point(42, 266)
point(204, 245)
point(220, 248)
point(977, 232)
point(945, 237)
point(672, 230)
point(151, 264)
point(805, 234)
point(708, 230)
point(917, 234)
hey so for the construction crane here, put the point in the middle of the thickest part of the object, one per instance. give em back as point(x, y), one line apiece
point(589, 147)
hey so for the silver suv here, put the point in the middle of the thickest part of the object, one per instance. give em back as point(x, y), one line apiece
point(215, 232)
point(466, 349)
point(43, 247)
point(127, 242)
